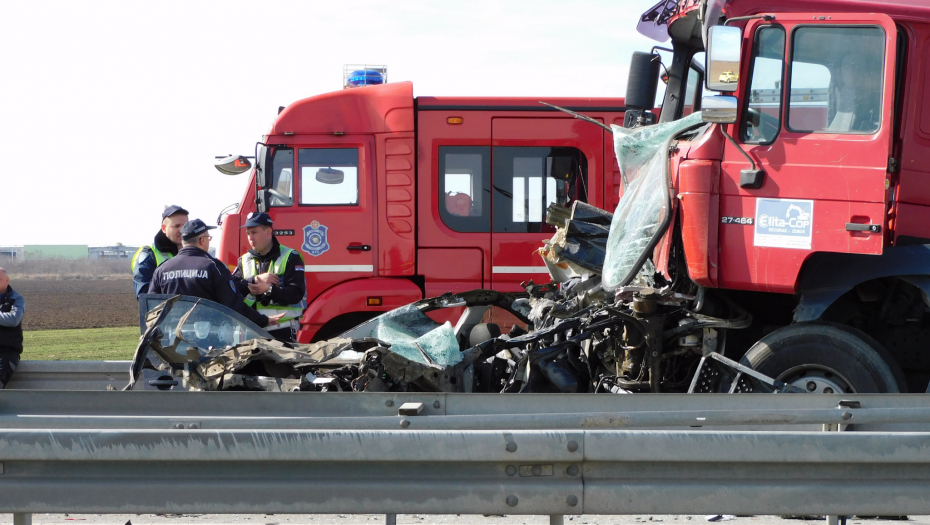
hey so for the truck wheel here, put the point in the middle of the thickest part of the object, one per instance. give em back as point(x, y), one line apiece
point(826, 358)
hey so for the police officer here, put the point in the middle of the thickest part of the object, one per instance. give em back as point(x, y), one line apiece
point(271, 276)
point(194, 272)
point(166, 245)
point(12, 308)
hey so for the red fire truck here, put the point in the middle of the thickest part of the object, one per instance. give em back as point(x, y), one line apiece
point(391, 198)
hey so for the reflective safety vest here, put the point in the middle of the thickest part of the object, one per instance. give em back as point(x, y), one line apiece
point(292, 312)
point(159, 256)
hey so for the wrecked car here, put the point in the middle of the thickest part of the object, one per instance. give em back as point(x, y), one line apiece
point(196, 344)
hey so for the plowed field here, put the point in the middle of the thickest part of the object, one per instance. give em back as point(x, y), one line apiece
point(78, 303)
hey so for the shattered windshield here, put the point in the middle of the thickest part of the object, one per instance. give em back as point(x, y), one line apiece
point(413, 335)
point(644, 204)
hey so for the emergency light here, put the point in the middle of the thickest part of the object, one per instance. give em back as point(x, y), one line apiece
point(359, 75)
point(365, 77)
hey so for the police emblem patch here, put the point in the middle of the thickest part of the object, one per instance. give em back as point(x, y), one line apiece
point(315, 239)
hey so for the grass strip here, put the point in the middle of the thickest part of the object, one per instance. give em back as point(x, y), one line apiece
point(84, 344)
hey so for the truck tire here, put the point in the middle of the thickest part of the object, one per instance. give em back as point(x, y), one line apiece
point(826, 358)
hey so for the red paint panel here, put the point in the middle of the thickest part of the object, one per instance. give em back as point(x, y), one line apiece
point(397, 254)
point(914, 174)
point(450, 270)
point(814, 165)
point(912, 221)
point(227, 250)
point(372, 109)
point(748, 267)
point(699, 206)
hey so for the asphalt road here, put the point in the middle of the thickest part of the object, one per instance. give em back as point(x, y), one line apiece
point(418, 519)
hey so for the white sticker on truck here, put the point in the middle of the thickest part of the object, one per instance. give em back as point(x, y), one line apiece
point(784, 223)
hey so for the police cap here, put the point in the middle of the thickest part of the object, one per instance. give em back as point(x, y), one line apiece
point(258, 219)
point(194, 228)
point(171, 210)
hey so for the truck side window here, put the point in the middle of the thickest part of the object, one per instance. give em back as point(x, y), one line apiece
point(836, 79)
point(464, 188)
point(694, 87)
point(528, 179)
point(328, 176)
point(281, 185)
point(762, 117)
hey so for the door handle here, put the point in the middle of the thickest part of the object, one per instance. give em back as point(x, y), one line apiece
point(871, 228)
point(163, 384)
point(359, 247)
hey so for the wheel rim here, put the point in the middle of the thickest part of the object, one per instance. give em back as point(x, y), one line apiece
point(817, 379)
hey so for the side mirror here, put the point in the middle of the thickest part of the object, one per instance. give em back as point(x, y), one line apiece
point(723, 53)
point(330, 176)
point(261, 201)
point(232, 165)
point(261, 157)
point(719, 109)
point(642, 81)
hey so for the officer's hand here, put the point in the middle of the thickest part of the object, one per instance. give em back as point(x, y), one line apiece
point(259, 288)
point(267, 278)
point(273, 319)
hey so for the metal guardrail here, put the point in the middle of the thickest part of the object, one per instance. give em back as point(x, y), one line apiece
point(470, 472)
point(70, 375)
point(248, 452)
point(155, 410)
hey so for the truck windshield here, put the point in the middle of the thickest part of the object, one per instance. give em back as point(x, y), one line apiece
point(644, 204)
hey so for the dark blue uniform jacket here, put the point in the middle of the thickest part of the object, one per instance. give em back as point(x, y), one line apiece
point(193, 272)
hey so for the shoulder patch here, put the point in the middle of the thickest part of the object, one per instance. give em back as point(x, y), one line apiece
point(298, 268)
point(232, 286)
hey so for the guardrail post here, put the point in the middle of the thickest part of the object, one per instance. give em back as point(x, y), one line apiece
point(556, 519)
point(847, 405)
point(22, 518)
point(390, 519)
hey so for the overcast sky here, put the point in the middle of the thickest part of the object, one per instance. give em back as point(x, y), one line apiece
point(112, 110)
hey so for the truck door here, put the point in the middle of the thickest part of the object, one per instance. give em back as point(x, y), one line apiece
point(321, 204)
point(537, 161)
point(816, 116)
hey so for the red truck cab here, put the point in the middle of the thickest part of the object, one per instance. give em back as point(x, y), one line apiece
point(807, 203)
point(391, 198)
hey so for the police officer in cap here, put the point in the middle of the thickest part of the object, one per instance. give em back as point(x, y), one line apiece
point(271, 276)
point(194, 272)
point(165, 246)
